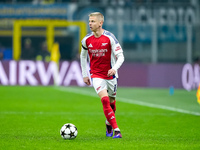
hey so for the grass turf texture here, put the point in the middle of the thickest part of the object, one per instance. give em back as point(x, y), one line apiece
point(31, 118)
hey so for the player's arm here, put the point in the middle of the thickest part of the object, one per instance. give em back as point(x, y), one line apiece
point(118, 52)
point(83, 58)
point(119, 62)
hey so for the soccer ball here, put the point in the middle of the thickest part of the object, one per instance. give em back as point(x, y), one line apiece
point(68, 131)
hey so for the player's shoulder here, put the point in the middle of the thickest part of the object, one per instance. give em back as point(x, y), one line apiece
point(110, 35)
point(88, 35)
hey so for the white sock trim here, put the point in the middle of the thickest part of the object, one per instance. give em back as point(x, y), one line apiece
point(116, 129)
point(107, 122)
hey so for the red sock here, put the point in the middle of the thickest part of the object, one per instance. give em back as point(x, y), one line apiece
point(113, 106)
point(108, 112)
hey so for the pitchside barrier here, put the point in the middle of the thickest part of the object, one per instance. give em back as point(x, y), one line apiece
point(69, 73)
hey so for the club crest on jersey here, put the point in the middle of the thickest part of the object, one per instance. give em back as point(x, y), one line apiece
point(118, 48)
point(90, 45)
point(104, 44)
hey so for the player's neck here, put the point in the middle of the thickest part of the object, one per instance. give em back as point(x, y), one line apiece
point(98, 33)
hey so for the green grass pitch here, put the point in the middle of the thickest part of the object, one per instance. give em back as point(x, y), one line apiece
point(149, 119)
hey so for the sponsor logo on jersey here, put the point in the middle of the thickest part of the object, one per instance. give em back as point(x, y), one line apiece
point(90, 45)
point(104, 44)
point(118, 48)
point(98, 52)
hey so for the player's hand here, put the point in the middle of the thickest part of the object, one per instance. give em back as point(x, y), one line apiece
point(86, 80)
point(111, 72)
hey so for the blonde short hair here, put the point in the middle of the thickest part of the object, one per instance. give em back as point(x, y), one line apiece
point(98, 15)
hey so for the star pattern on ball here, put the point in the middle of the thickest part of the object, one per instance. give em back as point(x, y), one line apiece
point(63, 133)
point(71, 134)
point(68, 131)
point(68, 126)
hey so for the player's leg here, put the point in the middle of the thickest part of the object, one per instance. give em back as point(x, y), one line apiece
point(108, 126)
point(109, 114)
point(108, 111)
point(113, 103)
point(109, 129)
point(100, 85)
point(112, 89)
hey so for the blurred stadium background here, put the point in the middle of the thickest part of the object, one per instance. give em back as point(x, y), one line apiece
point(160, 39)
point(40, 42)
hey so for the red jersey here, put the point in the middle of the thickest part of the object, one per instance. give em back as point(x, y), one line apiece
point(101, 51)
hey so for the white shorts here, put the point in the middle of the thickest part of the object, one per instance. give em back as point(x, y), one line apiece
point(101, 84)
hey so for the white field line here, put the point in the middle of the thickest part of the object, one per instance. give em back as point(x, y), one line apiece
point(129, 101)
point(49, 113)
point(76, 113)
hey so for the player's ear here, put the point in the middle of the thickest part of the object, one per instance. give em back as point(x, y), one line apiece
point(101, 23)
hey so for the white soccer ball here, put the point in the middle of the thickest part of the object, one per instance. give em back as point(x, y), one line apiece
point(68, 131)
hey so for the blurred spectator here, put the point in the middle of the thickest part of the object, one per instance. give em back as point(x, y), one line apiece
point(43, 54)
point(28, 52)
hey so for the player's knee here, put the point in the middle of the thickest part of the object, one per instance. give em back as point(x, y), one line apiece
point(105, 100)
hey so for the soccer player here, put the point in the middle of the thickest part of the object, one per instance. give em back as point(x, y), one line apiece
point(105, 57)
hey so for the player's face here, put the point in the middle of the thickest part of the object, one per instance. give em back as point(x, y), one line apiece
point(94, 23)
